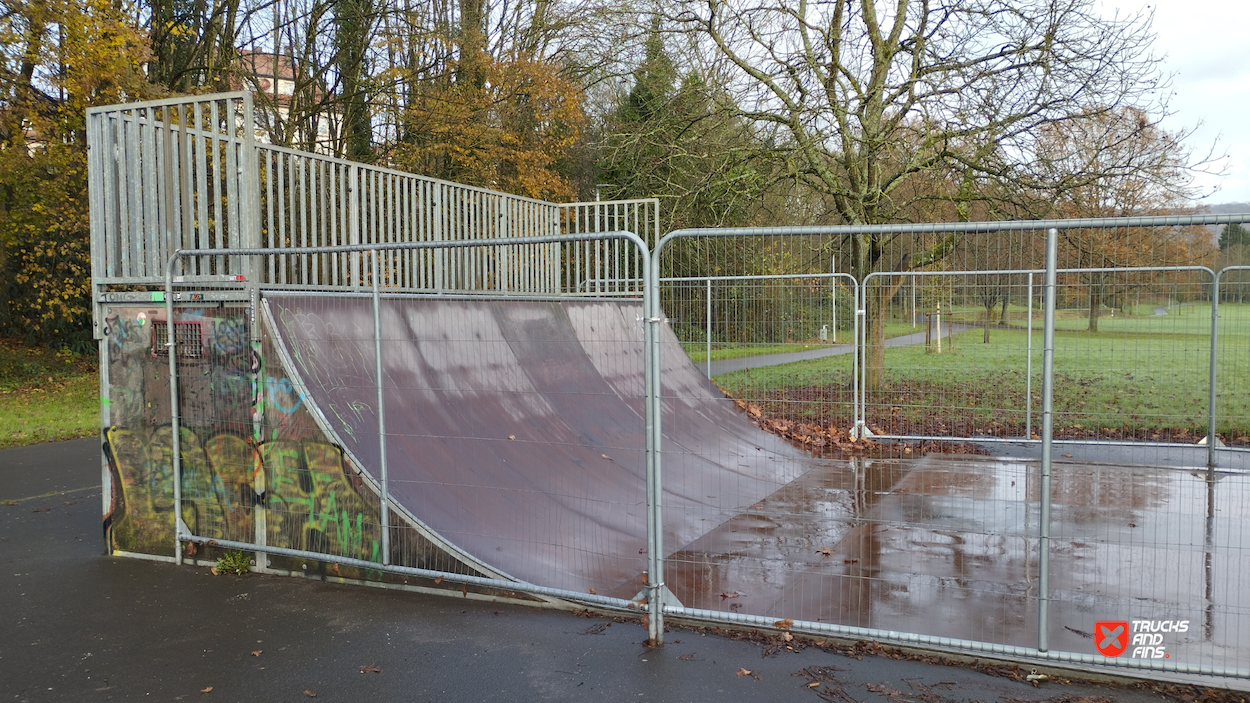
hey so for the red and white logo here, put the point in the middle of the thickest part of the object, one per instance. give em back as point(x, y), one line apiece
point(1111, 637)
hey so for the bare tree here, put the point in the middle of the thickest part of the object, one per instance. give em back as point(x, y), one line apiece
point(867, 98)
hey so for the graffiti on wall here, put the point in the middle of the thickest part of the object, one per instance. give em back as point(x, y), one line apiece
point(302, 490)
point(255, 466)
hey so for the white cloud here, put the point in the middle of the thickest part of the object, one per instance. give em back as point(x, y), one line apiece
point(1204, 48)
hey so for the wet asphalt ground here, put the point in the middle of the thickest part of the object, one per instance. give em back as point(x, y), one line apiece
point(80, 625)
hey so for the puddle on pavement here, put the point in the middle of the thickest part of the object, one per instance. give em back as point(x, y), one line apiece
point(949, 546)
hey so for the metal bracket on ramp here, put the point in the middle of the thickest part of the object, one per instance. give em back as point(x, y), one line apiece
point(666, 597)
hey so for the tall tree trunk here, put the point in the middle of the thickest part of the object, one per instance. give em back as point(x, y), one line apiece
point(1095, 302)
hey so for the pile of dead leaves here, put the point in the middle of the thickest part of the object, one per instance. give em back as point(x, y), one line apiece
point(824, 439)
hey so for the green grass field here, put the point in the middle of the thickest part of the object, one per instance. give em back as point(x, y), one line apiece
point(46, 396)
point(1140, 377)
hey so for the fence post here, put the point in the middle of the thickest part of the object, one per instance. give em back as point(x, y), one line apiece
point(1048, 388)
point(377, 362)
point(860, 359)
point(709, 328)
point(655, 489)
point(1215, 321)
point(833, 298)
point(1028, 370)
point(174, 419)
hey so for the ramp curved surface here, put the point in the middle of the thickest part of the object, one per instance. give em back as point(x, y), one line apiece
point(515, 429)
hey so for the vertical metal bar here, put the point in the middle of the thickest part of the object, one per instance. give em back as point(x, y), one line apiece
point(250, 217)
point(174, 418)
point(188, 194)
point(272, 206)
point(302, 193)
point(354, 232)
point(833, 298)
point(1048, 390)
point(1028, 371)
point(150, 163)
point(330, 188)
point(218, 217)
point(235, 237)
point(1212, 441)
point(115, 205)
point(172, 220)
point(857, 358)
point(377, 360)
point(860, 372)
point(709, 328)
point(95, 193)
point(285, 213)
point(655, 490)
point(127, 227)
point(203, 147)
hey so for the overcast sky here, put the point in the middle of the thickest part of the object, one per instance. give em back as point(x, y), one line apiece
point(1205, 49)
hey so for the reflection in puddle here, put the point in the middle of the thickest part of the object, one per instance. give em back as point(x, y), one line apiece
point(948, 546)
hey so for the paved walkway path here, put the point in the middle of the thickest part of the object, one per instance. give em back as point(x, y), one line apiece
point(720, 366)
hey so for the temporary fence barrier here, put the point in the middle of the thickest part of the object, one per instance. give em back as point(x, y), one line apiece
point(278, 526)
point(756, 530)
point(859, 551)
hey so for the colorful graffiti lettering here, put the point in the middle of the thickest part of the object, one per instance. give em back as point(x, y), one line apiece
point(309, 500)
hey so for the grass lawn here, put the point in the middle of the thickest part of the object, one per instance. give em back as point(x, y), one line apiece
point(45, 395)
point(1139, 377)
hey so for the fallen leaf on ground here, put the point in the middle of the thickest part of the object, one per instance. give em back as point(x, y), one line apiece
point(882, 689)
point(787, 636)
point(309, 693)
point(731, 594)
point(371, 669)
point(511, 436)
point(597, 628)
point(214, 570)
point(206, 690)
point(605, 456)
point(784, 624)
point(257, 652)
point(1069, 456)
point(41, 510)
point(438, 580)
point(744, 672)
point(824, 550)
point(592, 592)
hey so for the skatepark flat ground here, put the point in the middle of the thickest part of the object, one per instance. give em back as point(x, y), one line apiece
point(79, 625)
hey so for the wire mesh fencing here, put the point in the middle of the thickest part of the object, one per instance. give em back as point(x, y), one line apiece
point(996, 346)
point(383, 376)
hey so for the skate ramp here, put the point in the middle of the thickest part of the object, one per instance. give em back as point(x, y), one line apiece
point(515, 429)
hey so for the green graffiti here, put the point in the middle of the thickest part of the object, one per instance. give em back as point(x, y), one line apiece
point(311, 502)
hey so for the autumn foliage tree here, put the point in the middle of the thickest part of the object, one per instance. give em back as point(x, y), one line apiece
point(60, 57)
point(506, 124)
